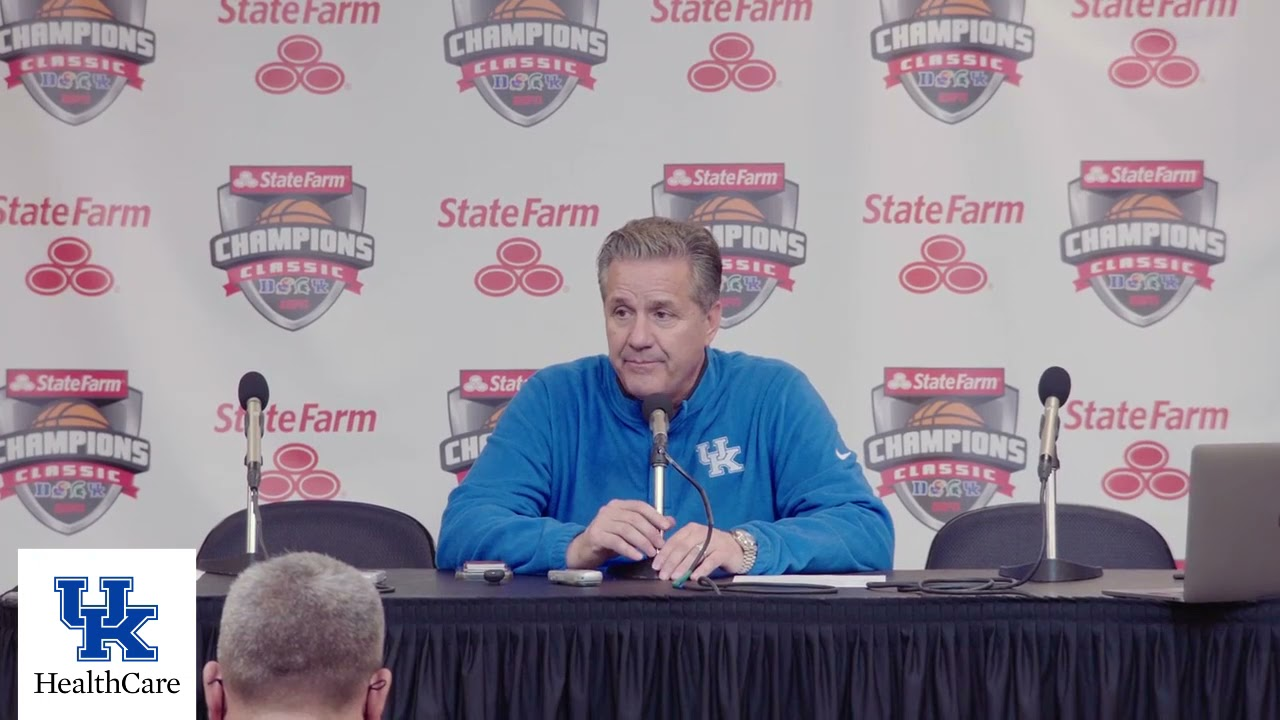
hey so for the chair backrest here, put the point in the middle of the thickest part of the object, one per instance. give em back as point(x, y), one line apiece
point(360, 534)
point(1010, 534)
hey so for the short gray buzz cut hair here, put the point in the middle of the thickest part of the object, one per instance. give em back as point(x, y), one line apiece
point(655, 238)
point(301, 630)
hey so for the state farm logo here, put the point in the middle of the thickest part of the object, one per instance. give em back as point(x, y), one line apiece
point(732, 62)
point(475, 406)
point(689, 12)
point(945, 439)
point(69, 266)
point(942, 264)
point(519, 267)
point(75, 57)
point(292, 239)
point(70, 443)
point(85, 211)
point(299, 65)
point(750, 209)
point(952, 56)
point(1143, 234)
point(300, 12)
point(1125, 10)
point(1153, 59)
point(957, 209)
point(1156, 416)
point(526, 57)
point(296, 472)
point(1146, 470)
point(310, 417)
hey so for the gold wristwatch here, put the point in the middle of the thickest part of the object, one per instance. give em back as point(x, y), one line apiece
point(748, 544)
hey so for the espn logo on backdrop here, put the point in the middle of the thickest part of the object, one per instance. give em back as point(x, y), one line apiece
point(945, 439)
point(70, 443)
point(475, 407)
point(106, 633)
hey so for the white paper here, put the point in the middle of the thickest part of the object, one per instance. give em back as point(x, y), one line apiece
point(844, 581)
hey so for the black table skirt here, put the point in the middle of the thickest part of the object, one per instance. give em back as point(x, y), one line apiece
point(776, 657)
point(8, 661)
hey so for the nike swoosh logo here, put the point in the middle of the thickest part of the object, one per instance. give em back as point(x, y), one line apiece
point(845, 456)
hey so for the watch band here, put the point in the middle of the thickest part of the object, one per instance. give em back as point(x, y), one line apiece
point(749, 549)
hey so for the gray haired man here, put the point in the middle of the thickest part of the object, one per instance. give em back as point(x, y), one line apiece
point(301, 637)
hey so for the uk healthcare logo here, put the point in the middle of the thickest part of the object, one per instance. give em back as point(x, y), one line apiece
point(91, 640)
point(116, 621)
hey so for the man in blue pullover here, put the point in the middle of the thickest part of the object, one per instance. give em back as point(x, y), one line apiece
point(564, 480)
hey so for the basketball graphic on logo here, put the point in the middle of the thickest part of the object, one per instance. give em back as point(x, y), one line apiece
point(945, 412)
point(935, 8)
point(1144, 206)
point(83, 9)
point(492, 422)
point(294, 211)
point(71, 415)
point(527, 10)
point(727, 208)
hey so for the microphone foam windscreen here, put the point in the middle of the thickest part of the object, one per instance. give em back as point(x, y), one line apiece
point(657, 402)
point(1055, 382)
point(253, 385)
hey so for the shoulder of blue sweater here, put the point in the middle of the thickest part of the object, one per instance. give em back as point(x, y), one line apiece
point(737, 361)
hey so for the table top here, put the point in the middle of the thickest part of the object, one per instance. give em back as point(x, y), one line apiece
point(420, 584)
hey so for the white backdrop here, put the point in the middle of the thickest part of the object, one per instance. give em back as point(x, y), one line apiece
point(361, 390)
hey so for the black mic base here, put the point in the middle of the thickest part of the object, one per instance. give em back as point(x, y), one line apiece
point(1052, 570)
point(232, 566)
point(642, 570)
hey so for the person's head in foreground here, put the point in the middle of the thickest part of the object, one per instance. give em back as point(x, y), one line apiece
point(660, 282)
point(301, 637)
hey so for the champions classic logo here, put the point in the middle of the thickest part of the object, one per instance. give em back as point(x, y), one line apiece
point(751, 210)
point(945, 439)
point(292, 239)
point(952, 55)
point(526, 56)
point(1143, 234)
point(69, 443)
point(75, 56)
point(474, 409)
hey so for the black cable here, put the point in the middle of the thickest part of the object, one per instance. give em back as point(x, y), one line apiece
point(706, 582)
point(978, 586)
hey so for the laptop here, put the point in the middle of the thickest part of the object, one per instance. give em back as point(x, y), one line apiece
point(1233, 527)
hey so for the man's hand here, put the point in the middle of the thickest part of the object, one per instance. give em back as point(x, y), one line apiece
point(681, 549)
point(623, 527)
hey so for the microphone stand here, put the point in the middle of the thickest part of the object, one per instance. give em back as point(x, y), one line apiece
point(643, 570)
point(1052, 568)
point(236, 564)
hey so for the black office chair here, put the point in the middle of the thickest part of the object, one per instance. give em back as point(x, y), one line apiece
point(360, 534)
point(1001, 535)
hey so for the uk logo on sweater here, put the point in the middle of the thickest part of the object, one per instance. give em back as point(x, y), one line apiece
point(720, 457)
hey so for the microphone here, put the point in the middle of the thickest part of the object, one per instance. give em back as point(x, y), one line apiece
point(658, 410)
point(254, 395)
point(1055, 388)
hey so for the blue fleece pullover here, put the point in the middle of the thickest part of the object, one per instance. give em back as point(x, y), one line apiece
point(755, 433)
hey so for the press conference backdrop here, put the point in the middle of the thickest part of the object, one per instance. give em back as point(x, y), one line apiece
point(391, 210)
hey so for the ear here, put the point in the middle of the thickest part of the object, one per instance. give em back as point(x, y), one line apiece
point(713, 321)
point(379, 691)
point(214, 698)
